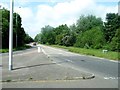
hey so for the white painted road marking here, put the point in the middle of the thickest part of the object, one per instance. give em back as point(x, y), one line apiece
point(68, 60)
point(113, 78)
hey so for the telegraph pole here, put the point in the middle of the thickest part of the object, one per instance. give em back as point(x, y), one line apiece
point(11, 36)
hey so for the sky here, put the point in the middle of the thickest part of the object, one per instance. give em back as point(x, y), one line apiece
point(36, 14)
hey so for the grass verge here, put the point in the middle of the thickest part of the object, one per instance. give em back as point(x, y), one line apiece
point(15, 49)
point(92, 52)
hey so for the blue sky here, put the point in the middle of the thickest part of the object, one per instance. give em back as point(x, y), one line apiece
point(38, 13)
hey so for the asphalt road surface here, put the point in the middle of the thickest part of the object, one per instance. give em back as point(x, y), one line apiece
point(60, 61)
point(98, 66)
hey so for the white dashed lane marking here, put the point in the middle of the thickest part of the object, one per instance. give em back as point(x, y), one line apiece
point(113, 78)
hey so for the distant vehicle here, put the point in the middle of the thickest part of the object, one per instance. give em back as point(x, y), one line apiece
point(34, 43)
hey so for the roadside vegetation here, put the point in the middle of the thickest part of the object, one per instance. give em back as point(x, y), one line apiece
point(15, 49)
point(92, 52)
point(89, 35)
point(20, 37)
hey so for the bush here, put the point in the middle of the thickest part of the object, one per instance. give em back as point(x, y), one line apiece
point(115, 43)
point(59, 39)
point(93, 38)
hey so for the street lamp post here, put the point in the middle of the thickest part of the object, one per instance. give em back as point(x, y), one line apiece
point(16, 27)
point(11, 35)
point(16, 30)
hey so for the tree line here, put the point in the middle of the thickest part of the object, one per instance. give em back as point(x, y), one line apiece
point(88, 32)
point(20, 37)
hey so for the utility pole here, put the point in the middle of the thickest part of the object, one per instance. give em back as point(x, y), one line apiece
point(11, 36)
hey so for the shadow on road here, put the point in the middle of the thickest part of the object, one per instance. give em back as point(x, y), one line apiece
point(33, 66)
point(38, 65)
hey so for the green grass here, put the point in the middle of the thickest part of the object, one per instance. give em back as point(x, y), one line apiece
point(15, 49)
point(91, 52)
point(3, 50)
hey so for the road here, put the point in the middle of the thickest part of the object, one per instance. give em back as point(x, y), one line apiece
point(103, 68)
point(98, 66)
point(61, 61)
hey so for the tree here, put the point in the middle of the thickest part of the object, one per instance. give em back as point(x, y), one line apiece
point(93, 38)
point(47, 35)
point(5, 28)
point(58, 40)
point(115, 43)
point(61, 32)
point(38, 38)
point(85, 23)
point(28, 39)
point(111, 25)
point(17, 29)
point(62, 29)
point(69, 40)
point(88, 32)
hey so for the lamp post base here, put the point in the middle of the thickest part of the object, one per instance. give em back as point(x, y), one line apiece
point(10, 67)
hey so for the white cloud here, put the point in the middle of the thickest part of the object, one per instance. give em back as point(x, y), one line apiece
point(66, 12)
point(4, 5)
point(27, 18)
point(25, 12)
point(69, 12)
point(103, 10)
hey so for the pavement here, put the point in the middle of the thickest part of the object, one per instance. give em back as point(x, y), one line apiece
point(33, 66)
